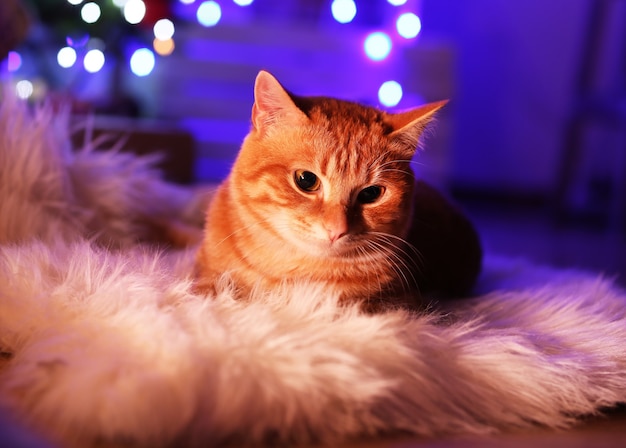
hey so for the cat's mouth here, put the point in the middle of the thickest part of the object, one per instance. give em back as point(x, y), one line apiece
point(339, 248)
point(348, 247)
point(355, 247)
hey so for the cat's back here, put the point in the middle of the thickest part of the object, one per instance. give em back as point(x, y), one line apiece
point(450, 250)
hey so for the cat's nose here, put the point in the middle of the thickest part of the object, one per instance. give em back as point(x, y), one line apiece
point(335, 234)
point(336, 229)
point(335, 223)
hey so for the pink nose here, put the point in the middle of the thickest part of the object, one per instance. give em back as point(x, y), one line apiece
point(335, 234)
point(335, 222)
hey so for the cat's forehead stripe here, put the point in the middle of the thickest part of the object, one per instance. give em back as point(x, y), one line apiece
point(353, 134)
point(339, 110)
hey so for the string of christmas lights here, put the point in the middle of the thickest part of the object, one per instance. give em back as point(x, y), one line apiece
point(93, 52)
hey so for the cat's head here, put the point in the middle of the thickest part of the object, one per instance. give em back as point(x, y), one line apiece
point(326, 175)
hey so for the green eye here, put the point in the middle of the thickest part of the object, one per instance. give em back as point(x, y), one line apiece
point(370, 194)
point(307, 181)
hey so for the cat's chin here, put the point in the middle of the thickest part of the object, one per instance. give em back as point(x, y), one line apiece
point(338, 248)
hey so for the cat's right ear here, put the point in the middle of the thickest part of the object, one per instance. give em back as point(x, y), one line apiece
point(408, 126)
point(273, 105)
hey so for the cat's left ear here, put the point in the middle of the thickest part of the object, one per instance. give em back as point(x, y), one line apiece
point(408, 126)
point(272, 105)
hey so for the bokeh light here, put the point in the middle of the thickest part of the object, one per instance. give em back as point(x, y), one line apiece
point(14, 61)
point(163, 47)
point(90, 12)
point(142, 62)
point(24, 89)
point(134, 11)
point(186, 2)
point(120, 3)
point(343, 11)
point(243, 2)
point(94, 60)
point(397, 2)
point(209, 13)
point(66, 57)
point(377, 46)
point(408, 25)
point(74, 2)
point(390, 93)
point(163, 29)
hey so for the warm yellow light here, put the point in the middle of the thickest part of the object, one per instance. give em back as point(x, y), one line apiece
point(163, 47)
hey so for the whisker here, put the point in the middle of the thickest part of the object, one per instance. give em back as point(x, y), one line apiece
point(393, 170)
point(369, 259)
point(399, 161)
point(241, 229)
point(415, 260)
point(390, 162)
point(403, 242)
point(399, 266)
point(383, 167)
point(390, 257)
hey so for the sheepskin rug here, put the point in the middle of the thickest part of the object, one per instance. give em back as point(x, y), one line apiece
point(103, 342)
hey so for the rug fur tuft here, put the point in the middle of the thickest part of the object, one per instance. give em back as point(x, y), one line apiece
point(104, 341)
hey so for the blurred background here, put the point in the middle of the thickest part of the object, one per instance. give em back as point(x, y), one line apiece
point(533, 141)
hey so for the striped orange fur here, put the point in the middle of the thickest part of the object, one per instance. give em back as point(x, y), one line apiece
point(322, 191)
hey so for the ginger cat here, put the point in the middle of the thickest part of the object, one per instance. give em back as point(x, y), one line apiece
point(322, 190)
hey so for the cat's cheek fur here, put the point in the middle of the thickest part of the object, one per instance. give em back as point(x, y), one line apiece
point(301, 231)
point(391, 216)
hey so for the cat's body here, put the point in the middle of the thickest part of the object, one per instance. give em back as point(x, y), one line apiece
point(322, 191)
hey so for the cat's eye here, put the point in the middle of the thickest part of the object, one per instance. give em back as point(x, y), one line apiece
point(370, 194)
point(307, 181)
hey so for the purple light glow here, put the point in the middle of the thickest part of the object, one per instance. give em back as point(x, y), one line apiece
point(14, 61)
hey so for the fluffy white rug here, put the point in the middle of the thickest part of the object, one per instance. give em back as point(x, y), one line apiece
point(102, 340)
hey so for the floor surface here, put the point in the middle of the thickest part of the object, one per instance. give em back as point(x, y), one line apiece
point(608, 432)
point(531, 232)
